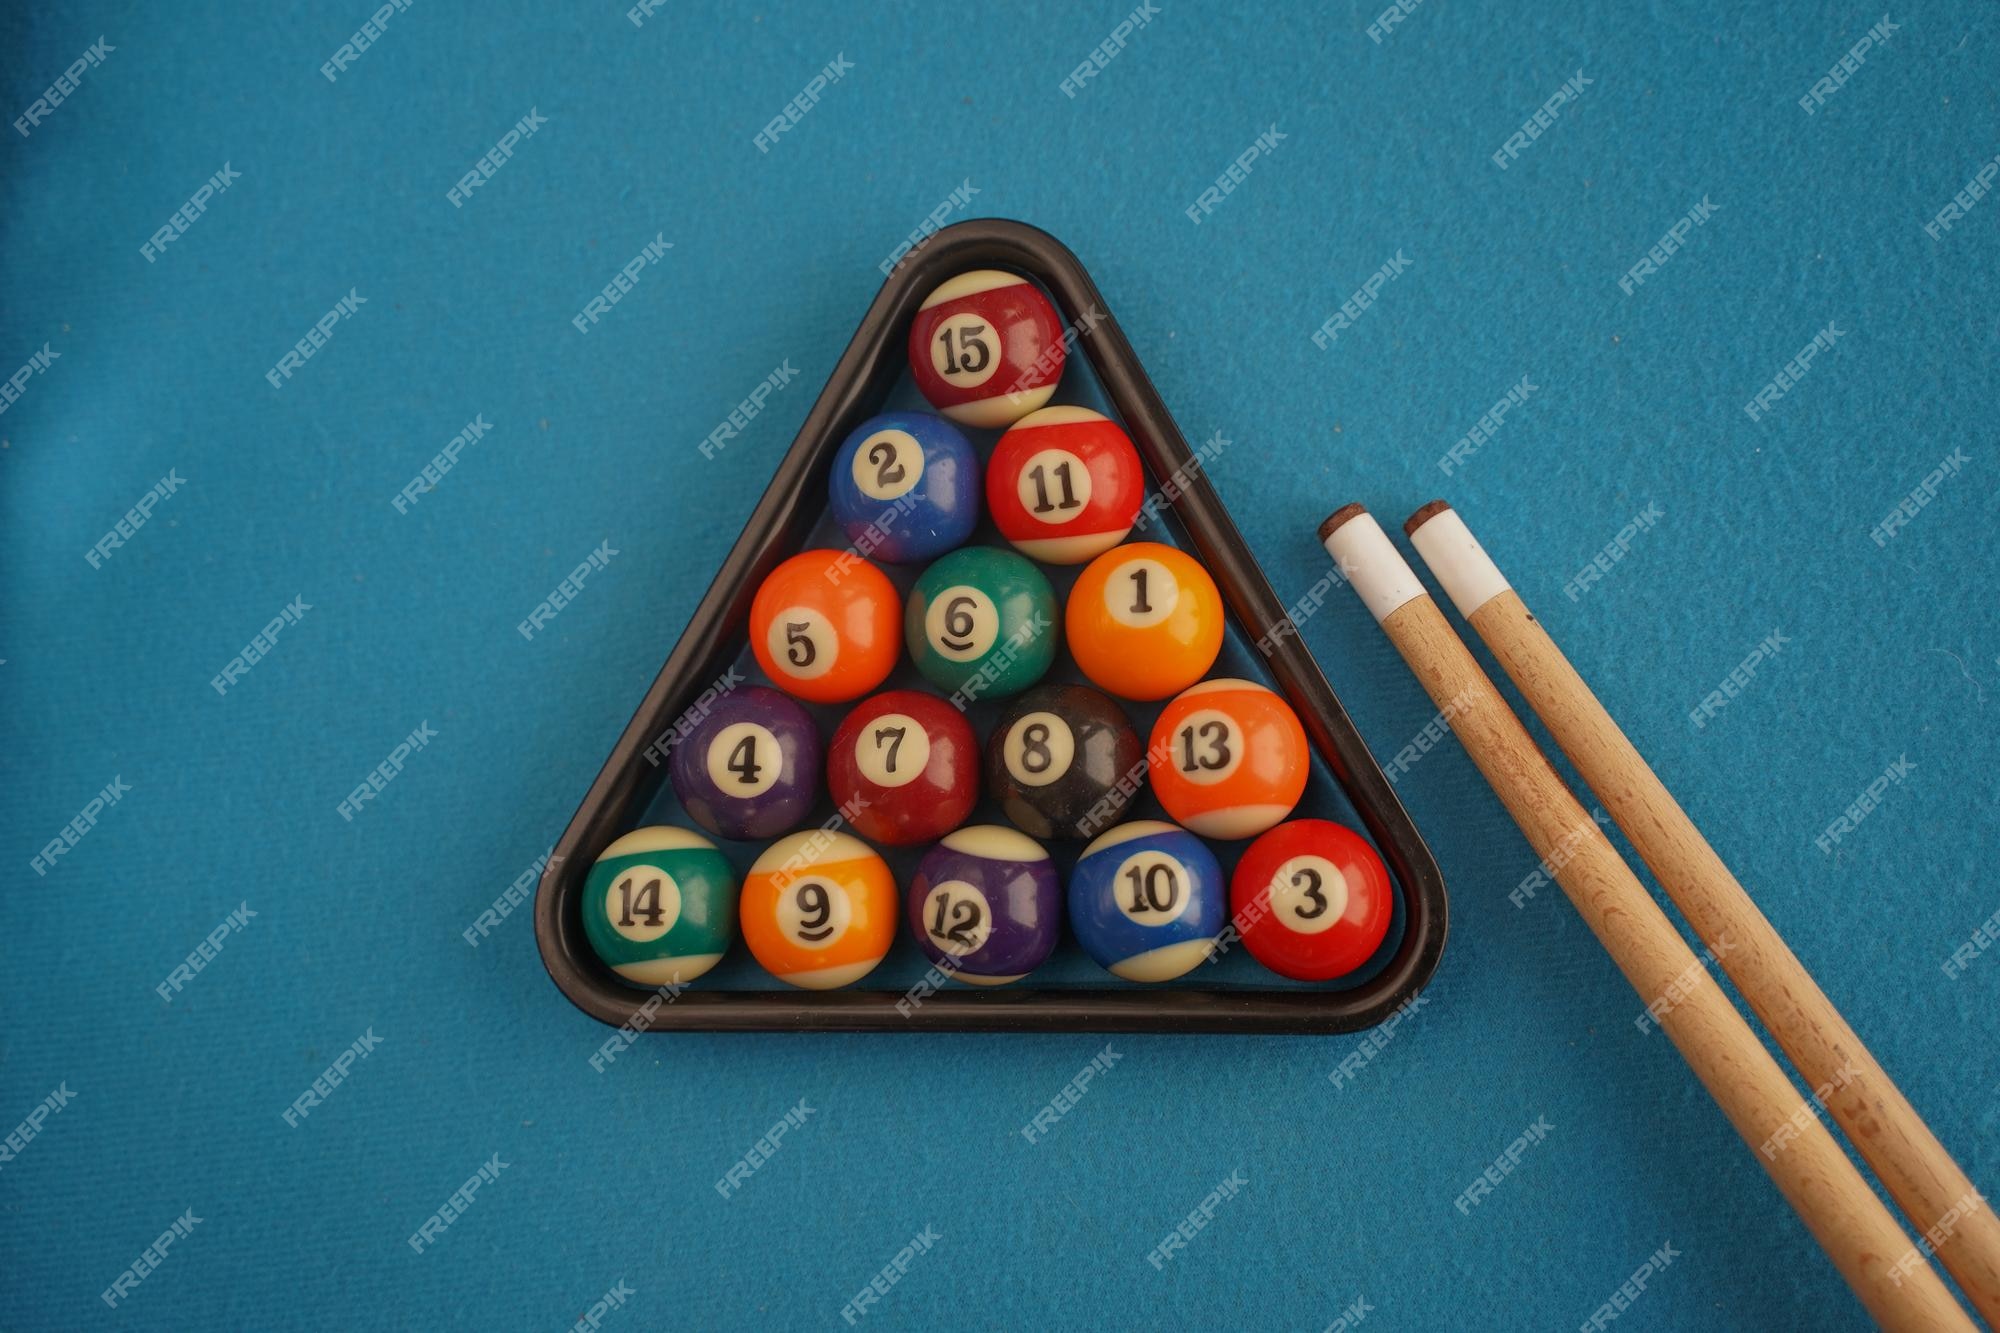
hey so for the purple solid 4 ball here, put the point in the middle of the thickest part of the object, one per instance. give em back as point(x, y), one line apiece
point(986, 904)
point(750, 769)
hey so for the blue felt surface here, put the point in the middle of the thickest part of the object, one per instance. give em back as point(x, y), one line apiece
point(1765, 525)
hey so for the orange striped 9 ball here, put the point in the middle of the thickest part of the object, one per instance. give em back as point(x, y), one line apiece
point(818, 909)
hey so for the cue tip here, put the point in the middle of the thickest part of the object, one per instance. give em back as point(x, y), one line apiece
point(1423, 516)
point(1332, 522)
point(1459, 563)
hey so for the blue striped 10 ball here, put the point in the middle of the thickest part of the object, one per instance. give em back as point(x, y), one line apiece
point(1147, 901)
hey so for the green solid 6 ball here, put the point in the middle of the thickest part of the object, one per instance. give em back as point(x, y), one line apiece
point(982, 623)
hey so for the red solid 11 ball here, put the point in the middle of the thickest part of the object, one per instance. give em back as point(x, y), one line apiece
point(1064, 485)
point(904, 768)
point(1311, 899)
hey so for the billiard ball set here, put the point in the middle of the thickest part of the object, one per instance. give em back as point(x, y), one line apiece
point(1147, 899)
point(944, 700)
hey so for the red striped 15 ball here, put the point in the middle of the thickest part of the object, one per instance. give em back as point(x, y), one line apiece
point(1311, 900)
point(904, 767)
point(986, 348)
point(1064, 485)
point(1228, 758)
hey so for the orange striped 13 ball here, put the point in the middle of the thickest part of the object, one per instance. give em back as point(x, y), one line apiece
point(1228, 758)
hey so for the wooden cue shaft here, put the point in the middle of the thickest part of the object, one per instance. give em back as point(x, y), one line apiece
point(1854, 1228)
point(1916, 1169)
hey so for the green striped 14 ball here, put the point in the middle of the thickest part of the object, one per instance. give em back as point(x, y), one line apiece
point(659, 907)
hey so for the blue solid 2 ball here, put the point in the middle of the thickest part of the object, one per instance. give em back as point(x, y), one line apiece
point(906, 487)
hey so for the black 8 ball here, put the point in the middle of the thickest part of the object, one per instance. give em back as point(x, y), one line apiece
point(1063, 762)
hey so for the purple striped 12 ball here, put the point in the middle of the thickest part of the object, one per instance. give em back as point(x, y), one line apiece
point(751, 768)
point(986, 903)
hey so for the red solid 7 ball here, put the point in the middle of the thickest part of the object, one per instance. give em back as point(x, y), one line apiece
point(904, 768)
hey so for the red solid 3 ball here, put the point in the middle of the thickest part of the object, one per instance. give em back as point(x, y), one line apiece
point(904, 767)
point(1064, 485)
point(986, 348)
point(1311, 899)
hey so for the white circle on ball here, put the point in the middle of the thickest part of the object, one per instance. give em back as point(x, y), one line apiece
point(1039, 748)
point(1141, 593)
point(888, 464)
point(1208, 746)
point(962, 623)
point(814, 911)
point(957, 917)
point(745, 759)
point(893, 750)
point(642, 903)
point(1152, 888)
point(1308, 894)
point(802, 642)
point(1054, 487)
point(965, 350)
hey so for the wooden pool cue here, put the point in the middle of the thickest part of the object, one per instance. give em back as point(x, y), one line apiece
point(1933, 1192)
point(1837, 1205)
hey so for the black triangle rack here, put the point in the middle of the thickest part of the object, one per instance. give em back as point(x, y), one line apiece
point(779, 526)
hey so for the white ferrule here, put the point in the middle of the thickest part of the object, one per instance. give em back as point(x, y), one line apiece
point(1457, 561)
point(1371, 562)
